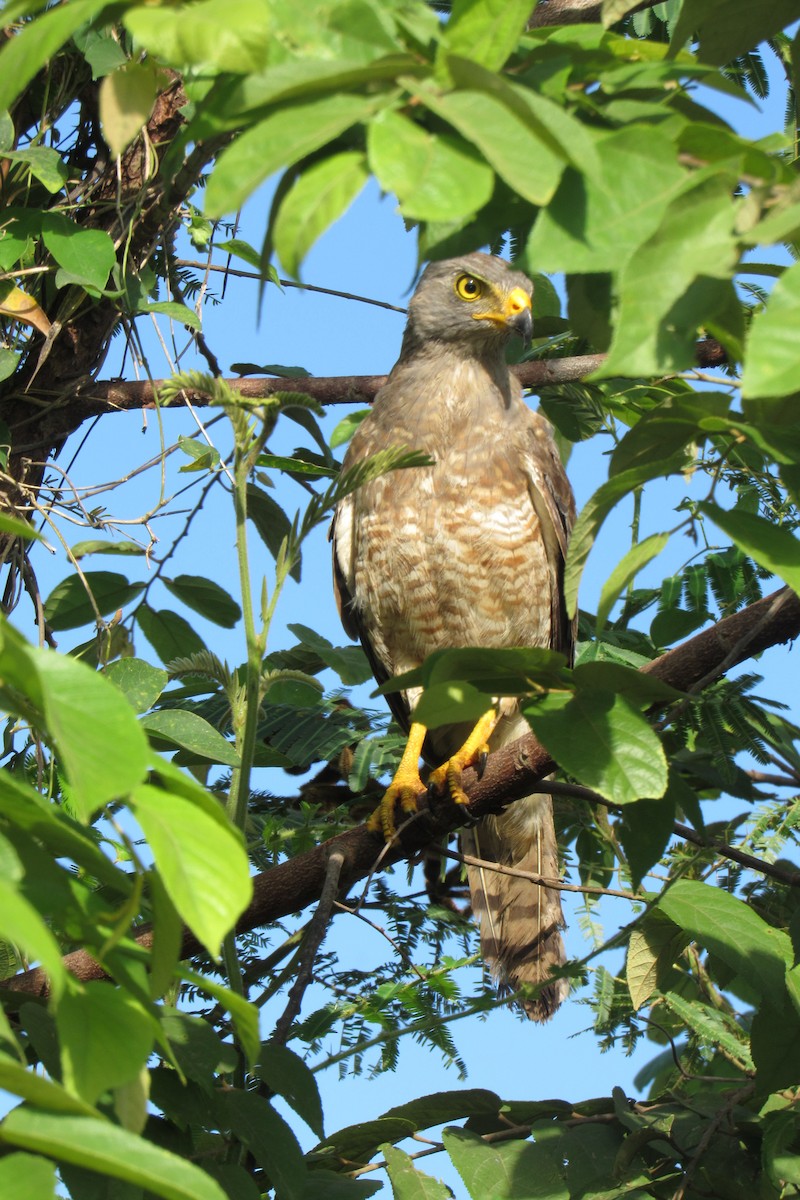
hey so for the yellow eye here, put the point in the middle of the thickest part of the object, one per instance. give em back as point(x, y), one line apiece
point(468, 287)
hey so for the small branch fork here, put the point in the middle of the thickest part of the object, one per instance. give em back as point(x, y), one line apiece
point(511, 772)
point(313, 939)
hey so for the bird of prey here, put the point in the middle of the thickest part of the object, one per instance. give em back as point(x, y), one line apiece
point(466, 552)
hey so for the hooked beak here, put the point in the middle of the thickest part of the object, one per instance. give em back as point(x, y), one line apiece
point(515, 314)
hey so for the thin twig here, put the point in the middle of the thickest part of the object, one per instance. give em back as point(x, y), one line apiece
point(705, 1141)
point(287, 283)
point(398, 948)
point(723, 849)
point(471, 861)
point(315, 934)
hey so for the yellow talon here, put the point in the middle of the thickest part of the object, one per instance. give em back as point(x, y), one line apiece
point(407, 787)
point(475, 750)
point(404, 790)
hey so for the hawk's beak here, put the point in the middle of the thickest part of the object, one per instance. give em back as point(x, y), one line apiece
point(517, 309)
point(515, 314)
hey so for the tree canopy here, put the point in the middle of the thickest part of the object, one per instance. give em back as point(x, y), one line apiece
point(162, 813)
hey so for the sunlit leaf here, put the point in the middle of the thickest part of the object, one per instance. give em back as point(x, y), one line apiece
point(200, 858)
point(108, 1150)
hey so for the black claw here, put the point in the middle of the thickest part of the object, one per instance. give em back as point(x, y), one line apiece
point(480, 766)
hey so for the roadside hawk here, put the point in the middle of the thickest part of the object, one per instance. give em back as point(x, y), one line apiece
point(466, 552)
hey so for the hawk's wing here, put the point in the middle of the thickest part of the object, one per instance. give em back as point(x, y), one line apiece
point(554, 504)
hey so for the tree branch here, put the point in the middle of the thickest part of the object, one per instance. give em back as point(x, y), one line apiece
point(113, 395)
point(573, 12)
point(511, 772)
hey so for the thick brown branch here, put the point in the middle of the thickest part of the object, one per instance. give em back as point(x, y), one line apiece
point(573, 12)
point(510, 773)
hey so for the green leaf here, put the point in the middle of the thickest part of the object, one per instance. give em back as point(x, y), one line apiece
point(329, 1185)
point(243, 1014)
point(270, 1140)
point(21, 925)
point(193, 733)
point(772, 365)
point(288, 1076)
point(207, 598)
point(436, 177)
point(727, 28)
point(645, 831)
point(407, 1182)
point(95, 546)
point(693, 254)
point(209, 40)
point(101, 50)
point(26, 1177)
point(296, 466)
point(624, 678)
point(349, 662)
point(167, 944)
point(168, 633)
point(197, 1048)
point(39, 1090)
point(712, 1027)
point(779, 1149)
point(775, 1043)
point(139, 682)
point(504, 671)
point(203, 456)
point(595, 511)
point(242, 249)
point(19, 528)
point(102, 748)
point(504, 1171)
point(126, 98)
point(772, 547)
point(176, 312)
point(652, 949)
point(626, 571)
point(528, 164)
point(450, 704)
point(25, 53)
point(31, 813)
point(487, 32)
point(280, 140)
point(110, 1151)
point(200, 859)
point(730, 929)
point(347, 427)
point(318, 198)
point(441, 1107)
point(105, 1037)
point(86, 256)
point(615, 10)
point(68, 606)
point(359, 1143)
point(45, 164)
point(617, 753)
point(594, 227)
point(271, 522)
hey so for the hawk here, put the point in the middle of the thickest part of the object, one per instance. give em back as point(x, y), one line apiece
point(466, 552)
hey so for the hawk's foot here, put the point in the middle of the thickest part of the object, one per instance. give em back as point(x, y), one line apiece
point(405, 789)
point(474, 752)
point(402, 794)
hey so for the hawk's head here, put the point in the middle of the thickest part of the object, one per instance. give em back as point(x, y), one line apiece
point(475, 299)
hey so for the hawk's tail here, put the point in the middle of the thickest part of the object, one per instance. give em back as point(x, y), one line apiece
point(520, 921)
